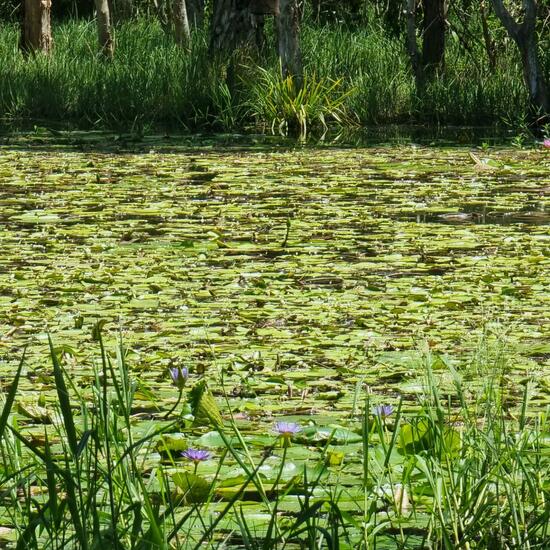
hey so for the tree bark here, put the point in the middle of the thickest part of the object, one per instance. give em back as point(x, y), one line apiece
point(490, 48)
point(182, 33)
point(36, 33)
point(232, 24)
point(288, 35)
point(433, 43)
point(525, 36)
point(104, 29)
point(412, 46)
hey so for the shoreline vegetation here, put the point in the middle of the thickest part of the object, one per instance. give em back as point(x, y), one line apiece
point(353, 77)
point(467, 469)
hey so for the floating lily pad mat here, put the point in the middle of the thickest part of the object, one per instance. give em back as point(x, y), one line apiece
point(302, 272)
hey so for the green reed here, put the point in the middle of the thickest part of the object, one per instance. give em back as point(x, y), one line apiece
point(466, 470)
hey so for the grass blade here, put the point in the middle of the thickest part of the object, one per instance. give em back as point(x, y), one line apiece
point(11, 397)
point(64, 401)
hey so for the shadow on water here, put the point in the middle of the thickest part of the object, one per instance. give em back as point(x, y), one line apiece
point(48, 137)
point(468, 216)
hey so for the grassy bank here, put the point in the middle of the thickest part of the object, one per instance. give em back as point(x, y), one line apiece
point(356, 77)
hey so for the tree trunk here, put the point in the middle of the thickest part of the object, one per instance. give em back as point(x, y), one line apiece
point(36, 33)
point(533, 74)
point(181, 23)
point(525, 37)
point(288, 35)
point(104, 30)
point(76, 9)
point(232, 24)
point(433, 43)
point(316, 10)
point(490, 48)
point(412, 46)
point(162, 9)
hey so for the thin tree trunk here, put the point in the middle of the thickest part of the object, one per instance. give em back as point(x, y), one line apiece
point(488, 40)
point(82, 9)
point(288, 34)
point(182, 33)
point(36, 33)
point(433, 43)
point(316, 9)
point(259, 34)
point(412, 46)
point(525, 36)
point(104, 30)
point(162, 8)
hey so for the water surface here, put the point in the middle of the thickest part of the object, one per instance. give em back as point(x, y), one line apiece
point(300, 270)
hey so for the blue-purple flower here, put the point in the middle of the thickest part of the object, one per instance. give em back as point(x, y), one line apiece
point(286, 429)
point(546, 143)
point(383, 411)
point(179, 376)
point(196, 455)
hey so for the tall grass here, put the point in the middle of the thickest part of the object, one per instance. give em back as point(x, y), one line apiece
point(467, 470)
point(152, 82)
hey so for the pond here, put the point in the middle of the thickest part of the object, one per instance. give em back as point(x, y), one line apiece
point(304, 274)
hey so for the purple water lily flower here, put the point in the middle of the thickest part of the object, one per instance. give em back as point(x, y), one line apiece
point(196, 455)
point(286, 429)
point(383, 411)
point(179, 376)
point(546, 143)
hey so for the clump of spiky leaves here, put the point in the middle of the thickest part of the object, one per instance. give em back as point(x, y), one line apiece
point(293, 108)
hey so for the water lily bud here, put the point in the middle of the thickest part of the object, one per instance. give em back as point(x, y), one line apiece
point(179, 376)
